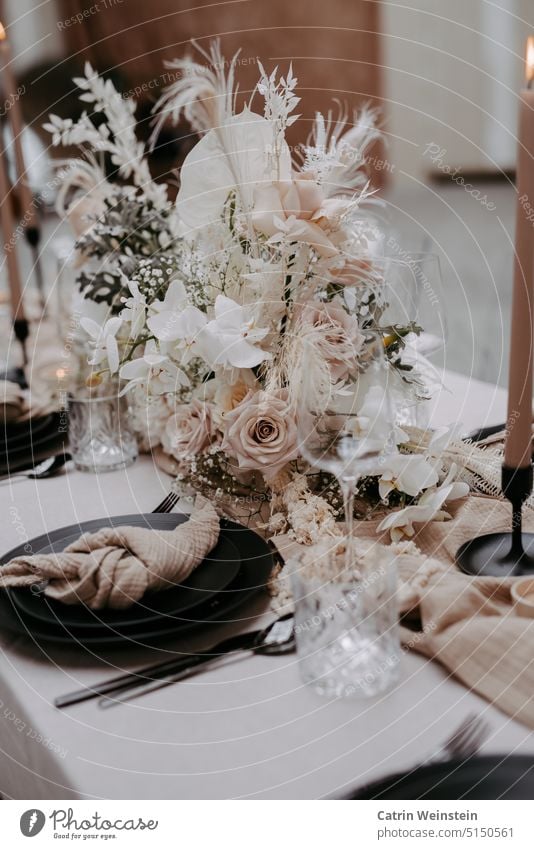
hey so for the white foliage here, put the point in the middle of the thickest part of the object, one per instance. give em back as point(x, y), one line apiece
point(116, 137)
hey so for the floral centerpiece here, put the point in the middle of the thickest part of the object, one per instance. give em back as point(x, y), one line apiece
point(205, 302)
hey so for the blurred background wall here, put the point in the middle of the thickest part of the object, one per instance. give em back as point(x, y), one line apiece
point(452, 71)
point(437, 68)
point(334, 46)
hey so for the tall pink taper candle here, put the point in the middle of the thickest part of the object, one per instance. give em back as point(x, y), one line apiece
point(22, 188)
point(9, 242)
point(518, 447)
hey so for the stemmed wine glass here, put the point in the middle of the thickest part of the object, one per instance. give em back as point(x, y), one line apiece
point(349, 432)
point(411, 289)
point(408, 293)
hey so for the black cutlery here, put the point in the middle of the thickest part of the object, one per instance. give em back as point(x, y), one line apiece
point(277, 638)
point(170, 500)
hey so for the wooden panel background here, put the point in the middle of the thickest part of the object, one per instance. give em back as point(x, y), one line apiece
point(333, 44)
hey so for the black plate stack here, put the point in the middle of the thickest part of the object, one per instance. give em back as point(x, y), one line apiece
point(483, 777)
point(237, 568)
point(24, 444)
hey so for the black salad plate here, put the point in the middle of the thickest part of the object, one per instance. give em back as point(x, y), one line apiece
point(237, 567)
point(485, 777)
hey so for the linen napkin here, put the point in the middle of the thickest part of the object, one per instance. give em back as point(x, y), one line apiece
point(12, 401)
point(468, 624)
point(115, 567)
point(470, 627)
point(20, 405)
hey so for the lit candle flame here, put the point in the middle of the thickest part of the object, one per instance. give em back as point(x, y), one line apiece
point(3, 35)
point(530, 60)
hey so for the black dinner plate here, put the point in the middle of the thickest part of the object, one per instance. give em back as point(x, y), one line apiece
point(485, 777)
point(12, 434)
point(26, 453)
point(212, 576)
point(256, 563)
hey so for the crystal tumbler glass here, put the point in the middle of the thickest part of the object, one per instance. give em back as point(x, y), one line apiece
point(100, 436)
point(346, 620)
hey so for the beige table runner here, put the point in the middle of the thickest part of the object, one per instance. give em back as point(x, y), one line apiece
point(467, 624)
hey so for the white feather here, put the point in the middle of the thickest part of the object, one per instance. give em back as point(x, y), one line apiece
point(204, 94)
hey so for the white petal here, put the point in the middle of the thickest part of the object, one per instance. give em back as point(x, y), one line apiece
point(164, 326)
point(130, 385)
point(112, 350)
point(135, 369)
point(241, 354)
point(112, 325)
point(176, 296)
point(228, 313)
point(459, 489)
point(91, 327)
point(154, 359)
point(227, 158)
point(134, 288)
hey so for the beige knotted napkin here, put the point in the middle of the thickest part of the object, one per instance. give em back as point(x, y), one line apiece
point(20, 405)
point(467, 624)
point(114, 567)
point(12, 401)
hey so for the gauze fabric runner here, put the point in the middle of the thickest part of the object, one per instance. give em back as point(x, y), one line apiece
point(468, 624)
point(114, 567)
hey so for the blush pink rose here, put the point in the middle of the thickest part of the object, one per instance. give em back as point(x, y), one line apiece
point(189, 431)
point(261, 433)
point(293, 205)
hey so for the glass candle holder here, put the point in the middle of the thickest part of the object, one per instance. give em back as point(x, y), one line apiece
point(346, 619)
point(100, 436)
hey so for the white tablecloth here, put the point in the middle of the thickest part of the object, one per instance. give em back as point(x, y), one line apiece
point(247, 729)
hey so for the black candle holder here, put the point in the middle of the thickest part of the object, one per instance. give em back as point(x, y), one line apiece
point(509, 553)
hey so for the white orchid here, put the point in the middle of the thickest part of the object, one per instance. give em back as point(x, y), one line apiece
point(230, 339)
point(189, 326)
point(409, 473)
point(154, 369)
point(442, 437)
point(293, 229)
point(374, 416)
point(179, 322)
point(135, 308)
point(103, 341)
point(400, 524)
point(165, 324)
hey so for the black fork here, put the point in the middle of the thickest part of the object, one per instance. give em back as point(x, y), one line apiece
point(168, 503)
